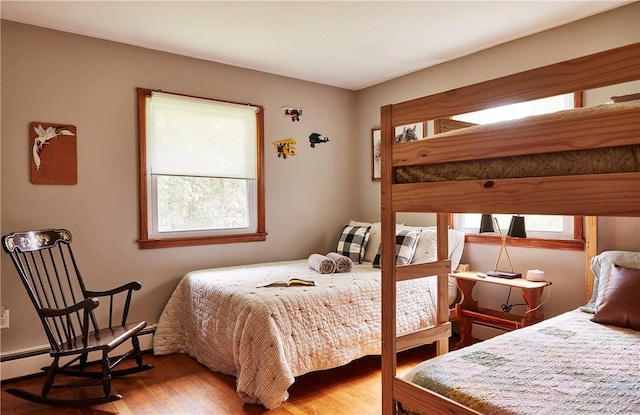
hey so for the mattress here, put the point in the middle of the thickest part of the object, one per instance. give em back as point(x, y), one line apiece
point(564, 365)
point(619, 159)
point(623, 159)
point(269, 335)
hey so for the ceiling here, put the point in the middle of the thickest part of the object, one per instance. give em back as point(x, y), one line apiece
point(348, 44)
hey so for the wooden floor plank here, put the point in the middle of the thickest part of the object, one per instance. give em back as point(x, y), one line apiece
point(180, 385)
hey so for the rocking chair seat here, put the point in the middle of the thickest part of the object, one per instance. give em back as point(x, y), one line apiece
point(47, 267)
point(103, 339)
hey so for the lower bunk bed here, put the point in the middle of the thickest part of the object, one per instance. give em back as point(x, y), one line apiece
point(579, 362)
point(232, 322)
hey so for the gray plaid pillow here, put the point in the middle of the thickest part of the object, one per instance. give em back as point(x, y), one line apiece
point(406, 242)
point(352, 242)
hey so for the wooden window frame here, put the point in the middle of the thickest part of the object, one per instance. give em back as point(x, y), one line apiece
point(575, 244)
point(150, 243)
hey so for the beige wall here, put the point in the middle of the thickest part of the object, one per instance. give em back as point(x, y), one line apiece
point(52, 76)
point(565, 268)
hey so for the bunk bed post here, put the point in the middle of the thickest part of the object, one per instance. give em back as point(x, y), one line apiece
point(442, 345)
point(388, 267)
point(590, 250)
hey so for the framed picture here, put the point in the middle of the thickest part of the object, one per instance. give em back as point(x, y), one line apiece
point(376, 156)
point(410, 132)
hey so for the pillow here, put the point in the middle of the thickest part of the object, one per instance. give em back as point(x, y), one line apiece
point(353, 241)
point(406, 242)
point(375, 238)
point(601, 267)
point(426, 252)
point(427, 245)
point(620, 305)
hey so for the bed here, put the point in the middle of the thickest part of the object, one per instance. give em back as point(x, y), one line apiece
point(568, 364)
point(267, 336)
point(436, 174)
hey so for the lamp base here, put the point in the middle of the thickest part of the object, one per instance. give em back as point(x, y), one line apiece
point(504, 274)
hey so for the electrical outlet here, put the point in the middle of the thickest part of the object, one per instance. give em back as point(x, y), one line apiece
point(4, 318)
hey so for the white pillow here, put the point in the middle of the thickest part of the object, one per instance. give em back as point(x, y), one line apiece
point(428, 244)
point(427, 247)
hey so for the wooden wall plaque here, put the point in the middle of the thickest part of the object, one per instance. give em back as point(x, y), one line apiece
point(53, 153)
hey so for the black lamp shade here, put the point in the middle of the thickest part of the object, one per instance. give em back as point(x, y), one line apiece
point(516, 228)
point(486, 224)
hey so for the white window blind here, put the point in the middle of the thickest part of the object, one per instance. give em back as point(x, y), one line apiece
point(193, 138)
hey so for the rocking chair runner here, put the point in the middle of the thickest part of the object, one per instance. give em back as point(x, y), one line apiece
point(45, 262)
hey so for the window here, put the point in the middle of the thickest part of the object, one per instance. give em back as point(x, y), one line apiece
point(200, 171)
point(537, 226)
point(542, 230)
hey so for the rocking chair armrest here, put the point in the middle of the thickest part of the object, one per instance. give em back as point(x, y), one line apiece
point(131, 286)
point(87, 304)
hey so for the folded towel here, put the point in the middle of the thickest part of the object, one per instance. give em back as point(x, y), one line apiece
point(343, 263)
point(322, 264)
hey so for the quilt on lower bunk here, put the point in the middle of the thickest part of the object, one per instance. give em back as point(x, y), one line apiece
point(564, 365)
point(267, 336)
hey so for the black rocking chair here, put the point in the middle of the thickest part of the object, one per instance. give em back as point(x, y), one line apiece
point(48, 269)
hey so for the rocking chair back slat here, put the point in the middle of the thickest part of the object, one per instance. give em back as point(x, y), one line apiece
point(50, 274)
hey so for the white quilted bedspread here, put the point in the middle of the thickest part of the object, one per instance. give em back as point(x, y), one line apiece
point(267, 336)
point(567, 365)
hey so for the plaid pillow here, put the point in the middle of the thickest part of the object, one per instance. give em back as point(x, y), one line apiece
point(406, 242)
point(352, 242)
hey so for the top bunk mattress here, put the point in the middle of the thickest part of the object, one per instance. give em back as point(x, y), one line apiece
point(615, 159)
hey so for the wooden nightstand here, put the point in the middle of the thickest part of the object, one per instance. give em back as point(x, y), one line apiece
point(467, 309)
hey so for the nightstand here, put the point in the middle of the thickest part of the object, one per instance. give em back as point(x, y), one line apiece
point(467, 309)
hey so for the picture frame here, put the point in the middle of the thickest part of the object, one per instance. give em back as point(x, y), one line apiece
point(376, 154)
point(410, 132)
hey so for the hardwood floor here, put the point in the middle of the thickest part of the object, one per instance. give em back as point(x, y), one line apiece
point(180, 385)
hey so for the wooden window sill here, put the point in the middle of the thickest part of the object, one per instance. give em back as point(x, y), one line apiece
point(205, 240)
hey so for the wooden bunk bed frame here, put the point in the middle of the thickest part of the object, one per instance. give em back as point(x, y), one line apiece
point(609, 194)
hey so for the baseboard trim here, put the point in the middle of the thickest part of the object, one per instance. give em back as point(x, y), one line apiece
point(29, 362)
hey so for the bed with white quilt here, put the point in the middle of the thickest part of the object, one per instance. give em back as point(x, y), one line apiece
point(585, 361)
point(267, 336)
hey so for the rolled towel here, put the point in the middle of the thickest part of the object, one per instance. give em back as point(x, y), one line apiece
point(343, 263)
point(322, 264)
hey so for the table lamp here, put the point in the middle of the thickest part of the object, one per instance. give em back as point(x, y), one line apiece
point(503, 247)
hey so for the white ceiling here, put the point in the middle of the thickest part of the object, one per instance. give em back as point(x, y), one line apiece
point(351, 44)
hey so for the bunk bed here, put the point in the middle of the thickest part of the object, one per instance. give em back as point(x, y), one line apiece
point(434, 175)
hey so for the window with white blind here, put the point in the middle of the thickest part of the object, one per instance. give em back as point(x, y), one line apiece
point(201, 172)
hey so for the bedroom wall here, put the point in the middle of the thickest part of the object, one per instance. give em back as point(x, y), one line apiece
point(566, 269)
point(51, 76)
